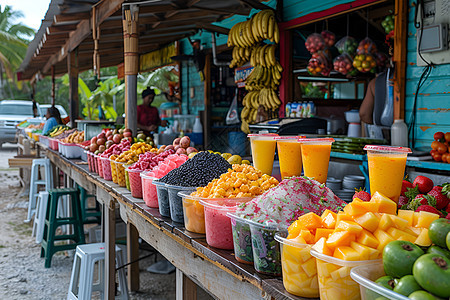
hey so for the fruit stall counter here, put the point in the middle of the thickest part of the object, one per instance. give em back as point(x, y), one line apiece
point(213, 269)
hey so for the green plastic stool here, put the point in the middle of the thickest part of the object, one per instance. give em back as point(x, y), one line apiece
point(52, 222)
point(90, 215)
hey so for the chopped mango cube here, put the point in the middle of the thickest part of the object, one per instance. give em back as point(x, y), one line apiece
point(368, 221)
point(423, 239)
point(363, 251)
point(413, 230)
point(321, 247)
point(401, 235)
point(425, 219)
point(385, 222)
point(383, 237)
point(349, 226)
point(347, 253)
point(309, 267)
point(307, 236)
point(354, 210)
point(386, 205)
point(310, 221)
point(399, 222)
point(368, 239)
point(343, 216)
point(294, 229)
point(299, 240)
point(329, 219)
point(416, 218)
point(368, 206)
point(322, 232)
point(407, 215)
point(340, 238)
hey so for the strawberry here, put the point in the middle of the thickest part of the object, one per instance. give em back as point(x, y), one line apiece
point(430, 209)
point(448, 217)
point(402, 200)
point(425, 184)
point(441, 200)
point(405, 186)
point(421, 199)
point(448, 208)
point(363, 195)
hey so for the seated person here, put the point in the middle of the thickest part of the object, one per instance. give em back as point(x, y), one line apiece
point(53, 118)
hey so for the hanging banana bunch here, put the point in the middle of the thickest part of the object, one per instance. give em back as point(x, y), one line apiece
point(247, 39)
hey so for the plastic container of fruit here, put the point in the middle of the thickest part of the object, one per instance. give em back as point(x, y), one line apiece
point(70, 150)
point(149, 193)
point(175, 201)
point(217, 224)
point(194, 213)
point(113, 170)
point(127, 178)
point(135, 182)
point(163, 198)
point(242, 239)
point(83, 153)
point(89, 161)
point(298, 267)
point(120, 169)
point(266, 251)
point(334, 276)
point(44, 140)
point(53, 144)
point(366, 276)
point(98, 162)
point(60, 148)
point(106, 168)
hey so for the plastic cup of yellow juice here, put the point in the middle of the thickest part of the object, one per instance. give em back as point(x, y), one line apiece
point(263, 151)
point(316, 157)
point(290, 155)
point(386, 169)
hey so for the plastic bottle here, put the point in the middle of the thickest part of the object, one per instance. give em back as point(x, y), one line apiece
point(399, 133)
point(288, 110)
point(198, 128)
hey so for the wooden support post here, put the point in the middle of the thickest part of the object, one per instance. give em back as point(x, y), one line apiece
point(72, 70)
point(186, 289)
point(400, 51)
point(133, 255)
point(131, 57)
point(286, 86)
point(53, 85)
point(96, 38)
point(109, 215)
point(207, 114)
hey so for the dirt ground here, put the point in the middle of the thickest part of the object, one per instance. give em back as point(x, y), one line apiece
point(22, 272)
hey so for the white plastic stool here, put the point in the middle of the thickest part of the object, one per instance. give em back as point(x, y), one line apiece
point(81, 282)
point(39, 216)
point(35, 182)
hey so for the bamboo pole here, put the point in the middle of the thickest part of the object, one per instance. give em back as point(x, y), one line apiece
point(72, 70)
point(96, 38)
point(53, 85)
point(130, 17)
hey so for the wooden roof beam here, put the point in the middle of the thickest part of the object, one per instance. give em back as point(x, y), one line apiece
point(60, 29)
point(213, 28)
point(58, 19)
point(104, 10)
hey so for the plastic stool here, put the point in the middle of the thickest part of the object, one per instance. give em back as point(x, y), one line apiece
point(39, 216)
point(35, 182)
point(52, 222)
point(90, 215)
point(81, 282)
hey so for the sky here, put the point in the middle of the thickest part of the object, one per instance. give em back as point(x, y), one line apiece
point(33, 10)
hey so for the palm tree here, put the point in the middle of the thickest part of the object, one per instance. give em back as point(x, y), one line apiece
point(13, 41)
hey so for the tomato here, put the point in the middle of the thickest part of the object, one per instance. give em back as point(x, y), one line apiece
point(442, 148)
point(437, 157)
point(432, 272)
point(434, 145)
point(438, 231)
point(407, 285)
point(447, 136)
point(439, 250)
point(421, 295)
point(438, 136)
point(399, 258)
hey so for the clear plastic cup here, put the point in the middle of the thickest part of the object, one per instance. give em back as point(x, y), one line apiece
point(316, 157)
point(290, 155)
point(163, 198)
point(106, 167)
point(113, 170)
point(266, 251)
point(242, 239)
point(334, 277)
point(194, 213)
point(298, 267)
point(98, 163)
point(217, 223)
point(135, 181)
point(386, 169)
point(120, 169)
point(263, 151)
point(149, 190)
point(175, 202)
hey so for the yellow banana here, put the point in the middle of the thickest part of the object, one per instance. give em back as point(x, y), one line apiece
point(259, 24)
point(276, 33)
point(270, 28)
point(265, 23)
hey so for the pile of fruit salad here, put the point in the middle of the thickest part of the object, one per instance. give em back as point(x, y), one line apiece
point(131, 156)
point(149, 160)
point(423, 195)
point(117, 149)
point(240, 181)
point(170, 161)
point(292, 198)
point(418, 272)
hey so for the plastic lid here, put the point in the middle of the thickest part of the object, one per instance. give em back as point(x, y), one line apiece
point(181, 188)
point(289, 137)
point(341, 262)
point(316, 140)
point(280, 237)
point(387, 149)
point(145, 175)
point(261, 134)
point(229, 204)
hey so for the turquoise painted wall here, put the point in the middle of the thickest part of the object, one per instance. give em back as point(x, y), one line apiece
point(293, 9)
point(433, 102)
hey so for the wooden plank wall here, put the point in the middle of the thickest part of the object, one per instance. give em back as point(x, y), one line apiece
point(433, 102)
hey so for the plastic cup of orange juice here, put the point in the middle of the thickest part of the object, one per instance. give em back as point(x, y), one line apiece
point(316, 157)
point(263, 151)
point(290, 155)
point(386, 169)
